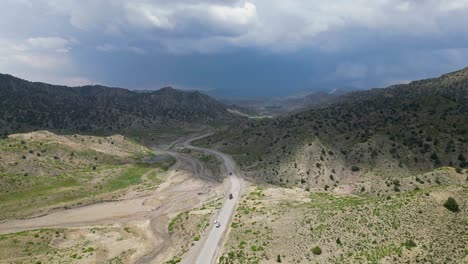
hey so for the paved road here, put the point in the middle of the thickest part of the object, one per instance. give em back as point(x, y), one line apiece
point(210, 250)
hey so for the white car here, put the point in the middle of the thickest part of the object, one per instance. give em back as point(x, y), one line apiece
point(217, 224)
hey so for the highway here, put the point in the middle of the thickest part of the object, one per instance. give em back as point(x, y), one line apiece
point(212, 243)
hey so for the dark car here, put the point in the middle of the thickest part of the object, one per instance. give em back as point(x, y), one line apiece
point(230, 173)
point(230, 196)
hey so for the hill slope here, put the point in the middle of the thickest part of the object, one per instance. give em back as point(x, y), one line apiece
point(27, 106)
point(41, 170)
point(379, 134)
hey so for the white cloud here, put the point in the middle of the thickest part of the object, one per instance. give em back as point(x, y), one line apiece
point(274, 24)
point(50, 43)
point(42, 59)
point(149, 16)
point(242, 15)
point(113, 48)
point(450, 5)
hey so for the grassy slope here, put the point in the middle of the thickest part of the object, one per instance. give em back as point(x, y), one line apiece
point(349, 229)
point(41, 170)
point(80, 245)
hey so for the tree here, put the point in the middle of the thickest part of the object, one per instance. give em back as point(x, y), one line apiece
point(452, 205)
point(278, 258)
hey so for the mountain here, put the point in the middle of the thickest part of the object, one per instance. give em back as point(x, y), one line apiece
point(374, 135)
point(27, 106)
point(285, 105)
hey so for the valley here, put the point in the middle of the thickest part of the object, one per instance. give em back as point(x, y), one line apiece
point(233, 132)
point(376, 176)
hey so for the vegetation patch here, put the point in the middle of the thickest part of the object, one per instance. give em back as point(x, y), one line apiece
point(66, 171)
point(325, 228)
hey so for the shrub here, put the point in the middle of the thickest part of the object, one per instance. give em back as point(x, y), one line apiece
point(355, 168)
point(317, 250)
point(452, 205)
point(278, 258)
point(338, 241)
point(410, 244)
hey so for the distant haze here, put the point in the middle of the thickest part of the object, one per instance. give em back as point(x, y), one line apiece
point(233, 48)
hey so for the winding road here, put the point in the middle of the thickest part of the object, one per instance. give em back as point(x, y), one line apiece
point(186, 187)
point(212, 244)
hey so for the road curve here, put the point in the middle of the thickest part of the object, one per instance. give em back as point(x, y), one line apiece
point(209, 252)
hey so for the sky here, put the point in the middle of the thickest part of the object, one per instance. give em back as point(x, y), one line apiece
point(233, 48)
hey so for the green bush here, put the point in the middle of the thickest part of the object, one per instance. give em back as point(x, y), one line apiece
point(410, 244)
point(317, 250)
point(278, 258)
point(452, 205)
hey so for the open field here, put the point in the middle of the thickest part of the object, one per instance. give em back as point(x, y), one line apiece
point(295, 226)
point(114, 243)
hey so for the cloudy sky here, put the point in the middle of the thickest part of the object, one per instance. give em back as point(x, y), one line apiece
point(233, 48)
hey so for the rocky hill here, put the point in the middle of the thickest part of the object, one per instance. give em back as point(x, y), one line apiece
point(380, 136)
point(27, 106)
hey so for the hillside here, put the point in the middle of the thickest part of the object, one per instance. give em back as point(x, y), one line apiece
point(40, 171)
point(296, 226)
point(368, 141)
point(27, 106)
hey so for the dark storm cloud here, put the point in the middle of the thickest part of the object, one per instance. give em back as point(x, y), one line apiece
point(232, 47)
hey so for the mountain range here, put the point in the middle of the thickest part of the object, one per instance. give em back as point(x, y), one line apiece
point(27, 106)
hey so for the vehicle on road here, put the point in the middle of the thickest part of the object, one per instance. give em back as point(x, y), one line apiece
point(217, 225)
point(230, 173)
point(230, 196)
